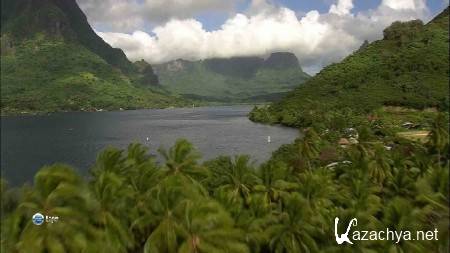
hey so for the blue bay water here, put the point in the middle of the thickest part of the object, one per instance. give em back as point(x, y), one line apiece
point(30, 142)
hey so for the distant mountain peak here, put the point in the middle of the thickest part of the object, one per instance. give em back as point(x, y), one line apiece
point(279, 60)
point(243, 66)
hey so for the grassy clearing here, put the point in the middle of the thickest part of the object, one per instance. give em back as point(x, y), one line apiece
point(421, 136)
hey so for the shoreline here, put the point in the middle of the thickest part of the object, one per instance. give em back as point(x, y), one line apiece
point(96, 110)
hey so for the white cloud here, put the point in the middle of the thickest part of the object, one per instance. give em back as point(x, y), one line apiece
point(317, 39)
point(403, 4)
point(343, 7)
point(129, 15)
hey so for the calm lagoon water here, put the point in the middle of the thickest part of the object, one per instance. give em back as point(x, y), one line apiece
point(30, 142)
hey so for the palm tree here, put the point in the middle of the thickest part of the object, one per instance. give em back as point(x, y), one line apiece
point(293, 233)
point(401, 184)
point(401, 215)
point(59, 191)
point(379, 167)
point(433, 192)
point(142, 171)
point(110, 159)
point(142, 179)
point(9, 198)
point(307, 148)
point(11, 229)
point(416, 159)
point(121, 182)
point(163, 217)
point(254, 221)
point(205, 227)
point(186, 221)
point(355, 196)
point(358, 196)
point(137, 154)
point(183, 158)
point(10, 219)
point(237, 179)
point(143, 183)
point(317, 189)
point(115, 199)
point(167, 199)
point(273, 182)
point(360, 156)
point(126, 165)
point(438, 142)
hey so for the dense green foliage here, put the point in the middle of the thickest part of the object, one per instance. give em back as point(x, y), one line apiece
point(131, 203)
point(66, 76)
point(22, 19)
point(238, 79)
point(409, 68)
point(52, 60)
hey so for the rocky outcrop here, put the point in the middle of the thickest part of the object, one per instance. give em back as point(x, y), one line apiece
point(148, 76)
point(282, 60)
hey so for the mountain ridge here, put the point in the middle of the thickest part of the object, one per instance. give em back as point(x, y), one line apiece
point(239, 79)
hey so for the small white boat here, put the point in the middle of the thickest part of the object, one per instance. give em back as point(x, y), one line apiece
point(268, 139)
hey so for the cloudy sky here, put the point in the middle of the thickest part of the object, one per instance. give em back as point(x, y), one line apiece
point(319, 32)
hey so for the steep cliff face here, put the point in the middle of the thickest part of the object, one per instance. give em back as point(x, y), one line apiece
point(147, 75)
point(61, 18)
point(247, 67)
point(244, 67)
point(52, 60)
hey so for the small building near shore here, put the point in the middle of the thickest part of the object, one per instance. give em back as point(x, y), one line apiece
point(344, 142)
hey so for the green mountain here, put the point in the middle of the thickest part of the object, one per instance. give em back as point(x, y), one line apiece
point(236, 79)
point(409, 67)
point(52, 60)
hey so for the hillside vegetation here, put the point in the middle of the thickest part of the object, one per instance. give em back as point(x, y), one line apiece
point(409, 67)
point(52, 60)
point(387, 180)
point(237, 79)
point(131, 203)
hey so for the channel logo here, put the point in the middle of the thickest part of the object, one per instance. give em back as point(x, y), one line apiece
point(38, 219)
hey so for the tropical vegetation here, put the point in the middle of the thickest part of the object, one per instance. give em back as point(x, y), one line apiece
point(52, 60)
point(408, 68)
point(130, 202)
point(358, 155)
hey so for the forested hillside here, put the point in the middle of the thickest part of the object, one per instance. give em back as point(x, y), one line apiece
point(357, 157)
point(52, 60)
point(409, 67)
